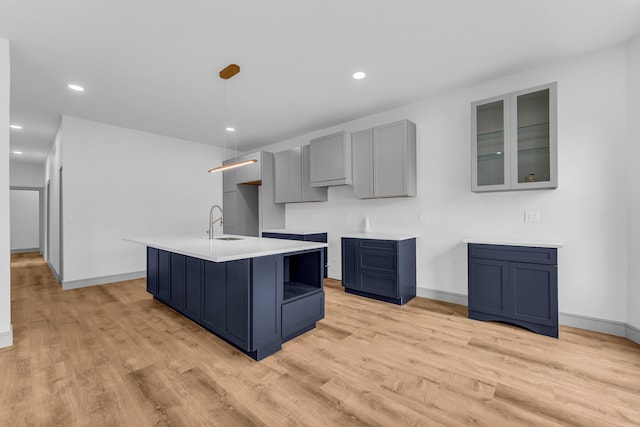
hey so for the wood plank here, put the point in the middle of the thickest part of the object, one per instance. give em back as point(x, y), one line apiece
point(112, 355)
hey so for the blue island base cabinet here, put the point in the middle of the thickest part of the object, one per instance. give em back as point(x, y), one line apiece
point(514, 284)
point(255, 304)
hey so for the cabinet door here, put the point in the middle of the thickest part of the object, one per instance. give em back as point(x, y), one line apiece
point(152, 270)
point(229, 180)
point(362, 155)
point(237, 291)
point(178, 275)
point(389, 160)
point(164, 275)
point(266, 295)
point(534, 138)
point(294, 189)
point(251, 173)
point(490, 145)
point(230, 212)
point(308, 193)
point(349, 265)
point(214, 313)
point(488, 286)
point(288, 176)
point(193, 288)
point(534, 293)
point(330, 160)
point(281, 177)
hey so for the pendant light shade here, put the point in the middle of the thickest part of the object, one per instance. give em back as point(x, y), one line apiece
point(232, 165)
point(225, 74)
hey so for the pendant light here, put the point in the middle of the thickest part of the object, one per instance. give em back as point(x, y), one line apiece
point(225, 74)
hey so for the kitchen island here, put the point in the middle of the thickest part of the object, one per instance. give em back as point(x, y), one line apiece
point(255, 293)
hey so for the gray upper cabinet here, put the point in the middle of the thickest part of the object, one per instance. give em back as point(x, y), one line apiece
point(287, 176)
point(248, 196)
point(330, 160)
point(251, 173)
point(292, 177)
point(248, 174)
point(514, 141)
point(384, 161)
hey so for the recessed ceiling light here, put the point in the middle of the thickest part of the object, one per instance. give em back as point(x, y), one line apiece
point(359, 75)
point(18, 127)
point(75, 87)
point(17, 152)
point(230, 129)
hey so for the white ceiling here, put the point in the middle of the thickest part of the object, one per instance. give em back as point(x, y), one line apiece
point(153, 65)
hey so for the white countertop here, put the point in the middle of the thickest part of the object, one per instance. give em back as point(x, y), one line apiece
point(224, 250)
point(535, 243)
point(299, 231)
point(380, 236)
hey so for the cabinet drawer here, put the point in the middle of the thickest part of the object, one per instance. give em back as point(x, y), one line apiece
point(301, 314)
point(378, 245)
point(514, 253)
point(379, 284)
point(381, 262)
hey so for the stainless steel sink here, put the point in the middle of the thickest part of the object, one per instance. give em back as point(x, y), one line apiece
point(228, 238)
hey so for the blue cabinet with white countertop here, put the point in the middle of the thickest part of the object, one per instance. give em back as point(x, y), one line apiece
point(380, 266)
point(514, 283)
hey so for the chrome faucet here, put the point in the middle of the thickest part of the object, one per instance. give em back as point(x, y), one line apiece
point(211, 221)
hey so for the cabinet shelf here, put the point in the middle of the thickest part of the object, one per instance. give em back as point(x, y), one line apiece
point(490, 136)
point(494, 156)
point(295, 290)
point(532, 150)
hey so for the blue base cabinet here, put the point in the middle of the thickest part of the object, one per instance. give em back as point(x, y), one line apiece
point(514, 284)
point(255, 304)
point(381, 269)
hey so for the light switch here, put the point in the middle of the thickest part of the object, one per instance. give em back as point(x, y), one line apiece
point(532, 216)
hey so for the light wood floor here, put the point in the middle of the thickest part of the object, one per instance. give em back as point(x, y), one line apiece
point(111, 355)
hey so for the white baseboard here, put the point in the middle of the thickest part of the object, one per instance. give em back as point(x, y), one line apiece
point(452, 297)
point(75, 284)
point(611, 327)
point(6, 338)
point(22, 251)
point(55, 273)
point(633, 333)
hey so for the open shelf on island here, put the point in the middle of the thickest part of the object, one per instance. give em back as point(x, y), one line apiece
point(302, 275)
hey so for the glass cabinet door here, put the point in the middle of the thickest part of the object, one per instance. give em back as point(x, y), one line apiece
point(490, 150)
point(533, 119)
point(514, 141)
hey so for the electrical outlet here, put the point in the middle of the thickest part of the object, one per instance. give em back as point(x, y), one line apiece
point(531, 216)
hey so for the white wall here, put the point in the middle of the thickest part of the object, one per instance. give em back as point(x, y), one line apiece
point(25, 220)
point(633, 74)
point(588, 211)
point(120, 182)
point(52, 166)
point(6, 334)
point(26, 174)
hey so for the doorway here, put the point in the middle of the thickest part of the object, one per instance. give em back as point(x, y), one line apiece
point(26, 220)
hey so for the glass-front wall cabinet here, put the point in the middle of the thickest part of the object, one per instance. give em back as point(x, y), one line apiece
point(514, 141)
